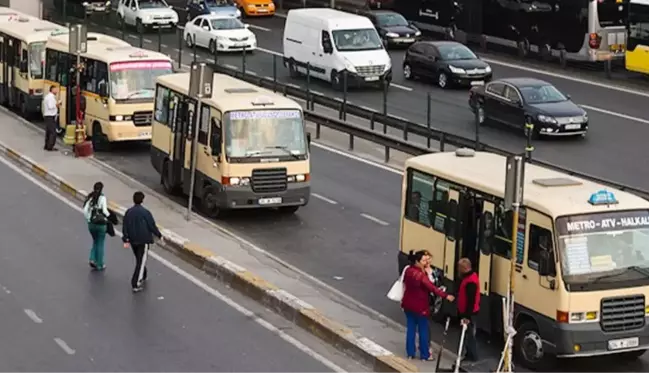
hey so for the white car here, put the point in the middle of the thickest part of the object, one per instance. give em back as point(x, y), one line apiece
point(219, 32)
point(146, 14)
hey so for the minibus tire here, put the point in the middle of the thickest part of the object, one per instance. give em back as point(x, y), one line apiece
point(209, 194)
point(528, 329)
point(164, 180)
point(98, 138)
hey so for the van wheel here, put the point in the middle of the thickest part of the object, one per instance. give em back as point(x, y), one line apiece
point(288, 210)
point(292, 69)
point(99, 140)
point(188, 41)
point(336, 81)
point(528, 346)
point(212, 47)
point(209, 203)
point(168, 186)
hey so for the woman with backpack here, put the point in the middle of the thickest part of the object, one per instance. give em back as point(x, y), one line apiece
point(95, 210)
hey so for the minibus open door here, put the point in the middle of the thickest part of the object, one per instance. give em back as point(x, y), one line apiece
point(485, 241)
point(451, 229)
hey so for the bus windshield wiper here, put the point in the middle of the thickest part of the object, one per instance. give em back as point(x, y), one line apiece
point(139, 91)
point(638, 269)
point(285, 149)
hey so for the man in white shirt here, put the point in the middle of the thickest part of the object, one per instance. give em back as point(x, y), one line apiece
point(50, 110)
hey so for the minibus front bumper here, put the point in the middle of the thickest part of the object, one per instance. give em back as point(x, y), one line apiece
point(588, 339)
point(243, 197)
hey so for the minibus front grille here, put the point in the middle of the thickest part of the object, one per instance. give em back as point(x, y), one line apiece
point(372, 70)
point(623, 313)
point(142, 118)
point(269, 180)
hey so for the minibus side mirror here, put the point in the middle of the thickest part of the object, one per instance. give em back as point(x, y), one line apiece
point(545, 264)
point(102, 90)
point(216, 145)
point(308, 139)
point(23, 67)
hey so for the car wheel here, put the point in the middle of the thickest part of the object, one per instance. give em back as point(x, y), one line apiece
point(188, 41)
point(442, 80)
point(212, 47)
point(407, 71)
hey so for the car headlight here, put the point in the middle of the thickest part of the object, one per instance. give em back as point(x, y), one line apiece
point(585, 116)
point(107, 3)
point(456, 70)
point(148, 18)
point(85, 4)
point(392, 35)
point(238, 13)
point(251, 6)
point(546, 119)
point(418, 33)
point(271, 5)
point(487, 69)
point(349, 67)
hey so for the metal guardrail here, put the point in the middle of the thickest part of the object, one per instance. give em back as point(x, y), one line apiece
point(376, 119)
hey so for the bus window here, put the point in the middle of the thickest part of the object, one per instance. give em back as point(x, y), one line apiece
point(204, 125)
point(611, 12)
point(162, 105)
point(36, 59)
point(503, 235)
point(540, 240)
point(420, 194)
point(638, 25)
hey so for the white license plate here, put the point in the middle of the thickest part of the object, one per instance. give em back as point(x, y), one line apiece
point(405, 40)
point(262, 10)
point(371, 78)
point(477, 82)
point(618, 344)
point(144, 134)
point(270, 201)
point(573, 126)
point(240, 45)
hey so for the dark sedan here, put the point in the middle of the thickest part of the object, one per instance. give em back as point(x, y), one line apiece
point(517, 101)
point(448, 62)
point(393, 28)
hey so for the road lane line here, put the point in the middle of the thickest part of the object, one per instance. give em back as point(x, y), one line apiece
point(323, 198)
point(231, 66)
point(318, 93)
point(64, 346)
point(32, 315)
point(132, 36)
point(6, 290)
point(293, 85)
point(164, 45)
point(260, 28)
point(148, 41)
point(376, 220)
point(401, 87)
point(251, 73)
point(613, 113)
point(223, 298)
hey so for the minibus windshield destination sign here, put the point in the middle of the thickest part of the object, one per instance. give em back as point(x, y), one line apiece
point(610, 221)
point(265, 114)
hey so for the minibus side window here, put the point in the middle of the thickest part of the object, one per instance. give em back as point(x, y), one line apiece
point(162, 105)
point(540, 241)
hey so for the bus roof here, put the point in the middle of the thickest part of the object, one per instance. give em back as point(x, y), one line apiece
point(548, 191)
point(229, 93)
point(29, 29)
point(106, 48)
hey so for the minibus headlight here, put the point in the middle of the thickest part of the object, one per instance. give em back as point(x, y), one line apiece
point(576, 317)
point(119, 117)
point(239, 181)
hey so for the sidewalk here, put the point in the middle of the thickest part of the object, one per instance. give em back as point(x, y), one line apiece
point(323, 311)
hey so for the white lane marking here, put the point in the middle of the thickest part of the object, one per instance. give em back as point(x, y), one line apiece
point(366, 108)
point(566, 77)
point(32, 315)
point(252, 246)
point(176, 50)
point(401, 87)
point(223, 298)
point(374, 219)
point(323, 198)
point(398, 117)
point(6, 290)
point(132, 36)
point(64, 346)
point(231, 66)
point(251, 72)
point(260, 28)
point(293, 85)
point(148, 41)
point(317, 92)
point(615, 114)
point(270, 52)
point(164, 45)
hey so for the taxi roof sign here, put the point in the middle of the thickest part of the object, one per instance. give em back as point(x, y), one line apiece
point(603, 197)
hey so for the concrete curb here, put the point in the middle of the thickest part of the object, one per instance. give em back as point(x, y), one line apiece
point(282, 302)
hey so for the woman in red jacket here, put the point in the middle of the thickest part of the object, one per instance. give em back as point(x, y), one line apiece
point(415, 303)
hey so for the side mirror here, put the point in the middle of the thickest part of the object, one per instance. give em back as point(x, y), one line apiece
point(246, 25)
point(103, 92)
point(545, 264)
point(327, 48)
point(206, 28)
point(568, 97)
point(23, 67)
point(308, 139)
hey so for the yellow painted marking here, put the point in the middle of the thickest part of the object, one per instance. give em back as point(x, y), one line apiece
point(67, 188)
point(13, 154)
point(38, 170)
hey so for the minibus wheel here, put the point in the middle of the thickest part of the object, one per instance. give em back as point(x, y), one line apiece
point(98, 138)
point(528, 347)
point(168, 186)
point(209, 203)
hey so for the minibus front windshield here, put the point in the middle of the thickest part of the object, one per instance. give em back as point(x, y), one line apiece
point(136, 80)
point(36, 59)
point(366, 39)
point(265, 133)
point(605, 247)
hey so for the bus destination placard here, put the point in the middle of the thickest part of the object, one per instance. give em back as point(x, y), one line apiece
point(265, 114)
point(592, 223)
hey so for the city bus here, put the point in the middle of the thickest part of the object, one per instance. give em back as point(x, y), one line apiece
point(22, 53)
point(580, 30)
point(637, 52)
point(117, 80)
point(581, 257)
point(252, 148)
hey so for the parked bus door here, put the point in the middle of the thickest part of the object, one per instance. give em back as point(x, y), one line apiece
point(4, 89)
point(180, 129)
point(10, 64)
point(485, 240)
point(451, 228)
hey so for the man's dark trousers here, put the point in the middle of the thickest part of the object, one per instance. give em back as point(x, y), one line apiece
point(470, 341)
point(50, 132)
point(141, 253)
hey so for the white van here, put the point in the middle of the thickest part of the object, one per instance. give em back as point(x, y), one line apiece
point(332, 42)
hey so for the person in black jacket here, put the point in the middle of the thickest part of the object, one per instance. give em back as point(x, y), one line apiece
point(138, 230)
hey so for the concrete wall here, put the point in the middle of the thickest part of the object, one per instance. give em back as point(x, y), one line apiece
point(31, 7)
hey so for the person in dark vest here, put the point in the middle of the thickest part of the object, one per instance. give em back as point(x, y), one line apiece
point(468, 306)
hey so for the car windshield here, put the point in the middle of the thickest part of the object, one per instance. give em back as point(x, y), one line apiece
point(596, 245)
point(219, 4)
point(263, 133)
point(391, 19)
point(454, 52)
point(226, 24)
point(36, 59)
point(357, 40)
point(152, 4)
point(541, 94)
point(136, 80)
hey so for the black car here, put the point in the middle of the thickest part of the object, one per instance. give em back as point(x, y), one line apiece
point(448, 62)
point(77, 8)
point(517, 101)
point(393, 28)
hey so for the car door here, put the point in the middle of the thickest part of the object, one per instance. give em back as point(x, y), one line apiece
point(194, 27)
point(414, 58)
point(431, 62)
point(494, 101)
point(130, 12)
point(203, 33)
point(513, 108)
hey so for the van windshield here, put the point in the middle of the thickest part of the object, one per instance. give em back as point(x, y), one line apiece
point(365, 39)
point(604, 247)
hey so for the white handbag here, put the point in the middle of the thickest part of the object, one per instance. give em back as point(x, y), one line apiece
point(397, 289)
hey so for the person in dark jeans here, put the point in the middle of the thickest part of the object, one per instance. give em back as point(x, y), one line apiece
point(468, 306)
point(138, 230)
point(50, 109)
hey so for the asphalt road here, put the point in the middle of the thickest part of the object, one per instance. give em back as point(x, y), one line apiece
point(57, 315)
point(333, 238)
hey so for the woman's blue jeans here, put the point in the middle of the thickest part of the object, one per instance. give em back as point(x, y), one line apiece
point(98, 233)
point(417, 324)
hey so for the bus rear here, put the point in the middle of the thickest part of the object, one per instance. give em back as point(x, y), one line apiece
point(606, 36)
point(637, 52)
